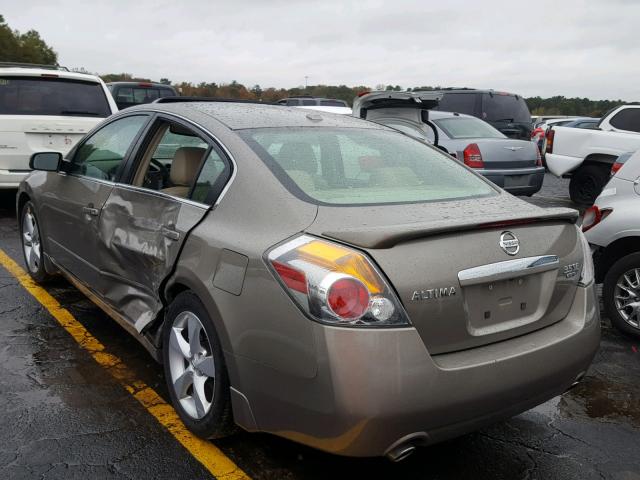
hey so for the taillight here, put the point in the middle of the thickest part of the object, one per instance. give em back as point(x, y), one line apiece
point(615, 167)
point(550, 135)
point(472, 156)
point(335, 284)
point(593, 216)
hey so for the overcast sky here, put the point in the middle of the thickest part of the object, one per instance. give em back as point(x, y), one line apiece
point(563, 47)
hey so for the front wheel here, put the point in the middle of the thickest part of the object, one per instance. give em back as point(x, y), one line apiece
point(195, 370)
point(587, 183)
point(30, 236)
point(621, 294)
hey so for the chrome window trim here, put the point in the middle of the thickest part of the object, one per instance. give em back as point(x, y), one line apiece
point(159, 193)
point(508, 269)
point(218, 142)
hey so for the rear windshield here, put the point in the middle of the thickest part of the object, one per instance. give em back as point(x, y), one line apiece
point(465, 127)
point(458, 102)
point(509, 108)
point(350, 166)
point(52, 96)
point(333, 103)
point(138, 95)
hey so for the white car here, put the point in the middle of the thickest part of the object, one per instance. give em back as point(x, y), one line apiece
point(612, 227)
point(586, 155)
point(45, 108)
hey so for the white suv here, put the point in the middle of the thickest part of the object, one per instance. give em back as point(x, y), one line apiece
point(45, 108)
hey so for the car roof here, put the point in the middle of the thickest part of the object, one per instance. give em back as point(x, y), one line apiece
point(47, 72)
point(237, 116)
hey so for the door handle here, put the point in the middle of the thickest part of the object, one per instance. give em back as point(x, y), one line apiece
point(170, 233)
point(91, 211)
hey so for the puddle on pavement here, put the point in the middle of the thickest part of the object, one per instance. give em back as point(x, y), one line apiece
point(601, 399)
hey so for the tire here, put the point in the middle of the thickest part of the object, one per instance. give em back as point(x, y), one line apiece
point(627, 321)
point(195, 371)
point(587, 183)
point(30, 239)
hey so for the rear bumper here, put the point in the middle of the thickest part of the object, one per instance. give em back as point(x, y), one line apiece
point(10, 179)
point(518, 181)
point(376, 388)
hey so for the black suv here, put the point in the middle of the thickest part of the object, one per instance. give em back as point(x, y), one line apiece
point(128, 94)
point(507, 112)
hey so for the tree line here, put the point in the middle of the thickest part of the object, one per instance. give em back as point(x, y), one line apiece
point(29, 47)
point(26, 47)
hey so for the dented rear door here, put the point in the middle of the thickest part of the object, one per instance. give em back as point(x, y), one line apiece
point(140, 235)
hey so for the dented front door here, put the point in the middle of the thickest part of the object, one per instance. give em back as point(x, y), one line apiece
point(140, 235)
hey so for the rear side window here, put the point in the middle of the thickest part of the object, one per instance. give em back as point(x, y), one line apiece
point(52, 96)
point(458, 102)
point(351, 166)
point(499, 107)
point(627, 119)
point(211, 179)
point(309, 102)
point(465, 127)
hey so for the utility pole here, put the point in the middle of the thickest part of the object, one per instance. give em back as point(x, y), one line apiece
point(306, 78)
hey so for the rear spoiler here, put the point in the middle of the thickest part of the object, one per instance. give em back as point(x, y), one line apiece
point(388, 236)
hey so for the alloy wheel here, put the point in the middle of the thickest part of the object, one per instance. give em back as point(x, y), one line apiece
point(191, 365)
point(627, 297)
point(31, 241)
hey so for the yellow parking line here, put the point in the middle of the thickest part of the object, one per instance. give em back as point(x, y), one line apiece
point(221, 466)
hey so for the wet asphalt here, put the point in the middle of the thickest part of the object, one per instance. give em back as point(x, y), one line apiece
point(63, 416)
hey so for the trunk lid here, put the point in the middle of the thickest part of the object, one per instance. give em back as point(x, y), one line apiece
point(459, 287)
point(23, 135)
point(501, 153)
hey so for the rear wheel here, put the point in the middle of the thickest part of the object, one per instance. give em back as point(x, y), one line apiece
point(587, 183)
point(621, 294)
point(195, 369)
point(30, 236)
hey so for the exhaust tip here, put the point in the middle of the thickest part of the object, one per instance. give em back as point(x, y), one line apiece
point(401, 452)
point(577, 381)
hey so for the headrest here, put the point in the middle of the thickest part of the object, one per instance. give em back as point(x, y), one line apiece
point(185, 165)
point(298, 156)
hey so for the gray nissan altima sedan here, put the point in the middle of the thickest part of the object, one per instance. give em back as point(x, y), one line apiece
point(320, 277)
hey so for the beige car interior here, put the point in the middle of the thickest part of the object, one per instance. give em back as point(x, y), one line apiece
point(183, 169)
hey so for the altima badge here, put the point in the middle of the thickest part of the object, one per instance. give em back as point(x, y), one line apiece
point(509, 243)
point(433, 293)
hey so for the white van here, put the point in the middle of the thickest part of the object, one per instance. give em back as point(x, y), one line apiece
point(45, 108)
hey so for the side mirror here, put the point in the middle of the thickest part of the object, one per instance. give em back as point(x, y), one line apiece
point(46, 161)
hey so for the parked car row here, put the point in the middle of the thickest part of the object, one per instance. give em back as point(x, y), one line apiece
point(512, 164)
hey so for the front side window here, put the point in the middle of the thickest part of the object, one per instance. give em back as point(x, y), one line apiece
point(172, 161)
point(350, 166)
point(628, 119)
point(465, 127)
point(52, 96)
point(101, 155)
